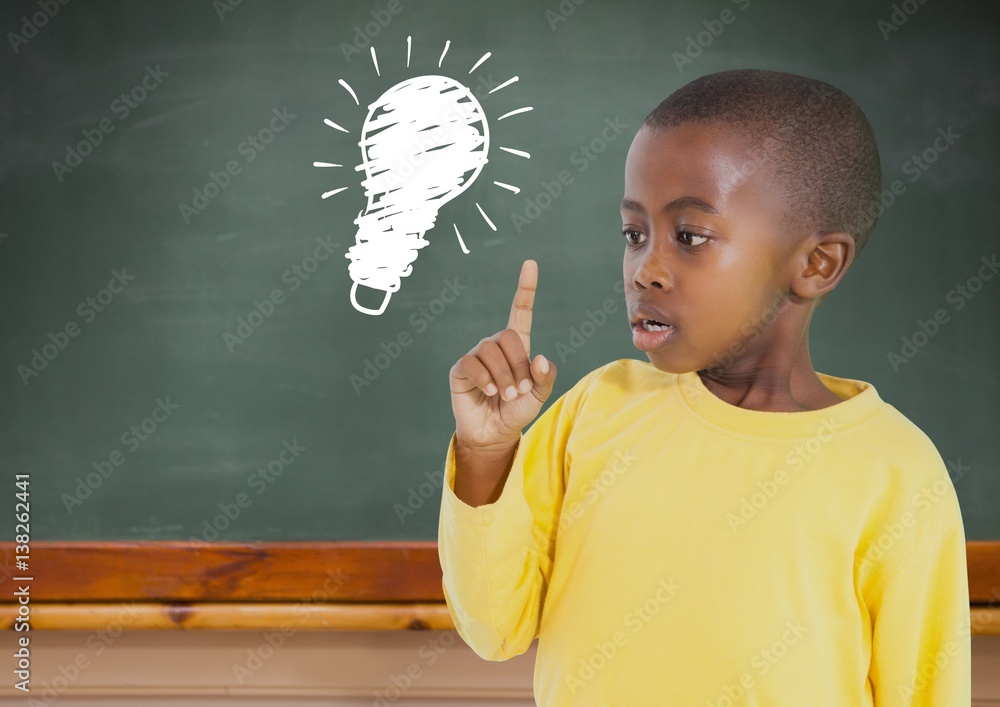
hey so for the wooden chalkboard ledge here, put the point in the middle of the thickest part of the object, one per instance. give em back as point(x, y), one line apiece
point(287, 617)
point(223, 616)
point(308, 585)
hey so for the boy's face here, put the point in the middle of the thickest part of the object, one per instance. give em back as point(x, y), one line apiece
point(719, 278)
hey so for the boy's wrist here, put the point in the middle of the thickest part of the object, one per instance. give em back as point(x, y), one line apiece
point(497, 450)
point(481, 471)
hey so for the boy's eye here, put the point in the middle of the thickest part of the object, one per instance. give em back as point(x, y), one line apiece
point(682, 234)
point(628, 232)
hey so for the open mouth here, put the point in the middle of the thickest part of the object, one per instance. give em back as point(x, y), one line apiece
point(650, 335)
point(653, 325)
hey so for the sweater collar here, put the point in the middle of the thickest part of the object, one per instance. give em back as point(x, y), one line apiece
point(858, 401)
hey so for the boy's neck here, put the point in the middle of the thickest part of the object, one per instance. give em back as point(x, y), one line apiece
point(776, 388)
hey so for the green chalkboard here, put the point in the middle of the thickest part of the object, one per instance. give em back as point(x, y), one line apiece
point(177, 322)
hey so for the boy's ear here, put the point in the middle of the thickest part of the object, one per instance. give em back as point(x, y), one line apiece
point(825, 259)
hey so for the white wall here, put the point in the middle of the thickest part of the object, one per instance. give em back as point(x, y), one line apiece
point(194, 668)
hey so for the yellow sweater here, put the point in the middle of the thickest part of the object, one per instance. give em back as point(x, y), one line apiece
point(668, 548)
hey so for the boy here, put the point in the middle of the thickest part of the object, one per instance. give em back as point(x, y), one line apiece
point(722, 525)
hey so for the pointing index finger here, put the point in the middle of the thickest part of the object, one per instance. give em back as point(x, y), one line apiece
point(524, 299)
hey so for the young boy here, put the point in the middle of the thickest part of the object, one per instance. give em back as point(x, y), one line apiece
point(722, 525)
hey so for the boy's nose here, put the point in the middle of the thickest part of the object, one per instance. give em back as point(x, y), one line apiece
point(652, 271)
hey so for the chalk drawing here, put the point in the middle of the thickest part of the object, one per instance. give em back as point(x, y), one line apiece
point(424, 141)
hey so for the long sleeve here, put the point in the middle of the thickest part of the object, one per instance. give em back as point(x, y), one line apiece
point(921, 642)
point(497, 558)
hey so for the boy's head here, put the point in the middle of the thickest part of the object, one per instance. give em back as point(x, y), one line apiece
point(748, 194)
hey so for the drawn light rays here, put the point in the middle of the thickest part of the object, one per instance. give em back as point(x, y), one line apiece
point(388, 202)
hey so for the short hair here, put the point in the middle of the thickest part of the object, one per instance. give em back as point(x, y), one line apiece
point(819, 142)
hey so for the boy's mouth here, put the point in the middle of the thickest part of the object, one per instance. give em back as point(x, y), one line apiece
point(653, 325)
point(650, 335)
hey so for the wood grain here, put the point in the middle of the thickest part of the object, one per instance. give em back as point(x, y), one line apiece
point(207, 572)
point(308, 585)
point(288, 617)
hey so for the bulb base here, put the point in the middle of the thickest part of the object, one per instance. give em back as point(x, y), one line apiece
point(367, 310)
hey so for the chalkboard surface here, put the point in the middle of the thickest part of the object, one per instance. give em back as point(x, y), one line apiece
point(180, 354)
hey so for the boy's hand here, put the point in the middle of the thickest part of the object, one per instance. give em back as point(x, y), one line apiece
point(487, 414)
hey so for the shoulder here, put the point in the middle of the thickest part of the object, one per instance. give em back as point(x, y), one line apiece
point(905, 485)
point(618, 377)
point(612, 387)
point(921, 476)
point(889, 443)
point(910, 454)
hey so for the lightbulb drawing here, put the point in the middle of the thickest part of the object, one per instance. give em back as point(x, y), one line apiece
point(424, 141)
point(422, 145)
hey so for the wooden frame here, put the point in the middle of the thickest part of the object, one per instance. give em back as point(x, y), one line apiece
point(304, 585)
point(168, 571)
